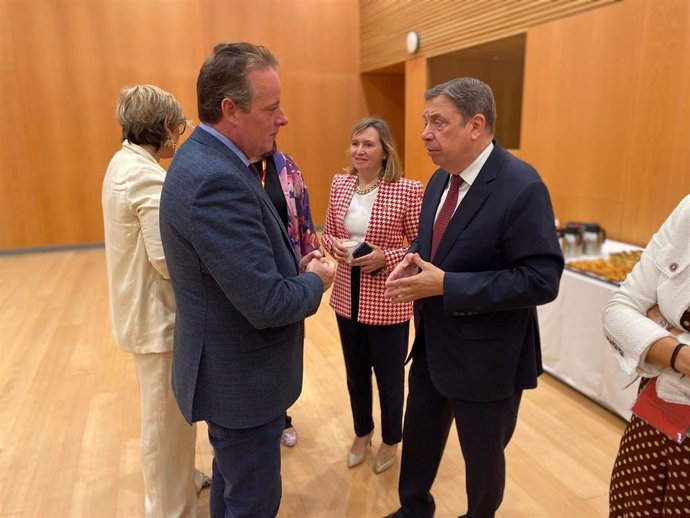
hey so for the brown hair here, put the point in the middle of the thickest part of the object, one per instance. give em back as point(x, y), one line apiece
point(226, 75)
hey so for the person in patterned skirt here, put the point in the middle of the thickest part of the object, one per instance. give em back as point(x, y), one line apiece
point(648, 324)
point(372, 204)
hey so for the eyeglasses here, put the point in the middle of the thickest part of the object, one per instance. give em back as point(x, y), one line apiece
point(182, 127)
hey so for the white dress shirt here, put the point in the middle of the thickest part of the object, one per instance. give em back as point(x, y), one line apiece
point(469, 175)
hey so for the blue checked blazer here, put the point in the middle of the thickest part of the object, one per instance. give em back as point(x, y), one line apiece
point(239, 330)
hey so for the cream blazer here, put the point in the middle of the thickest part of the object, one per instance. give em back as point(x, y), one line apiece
point(142, 304)
point(661, 277)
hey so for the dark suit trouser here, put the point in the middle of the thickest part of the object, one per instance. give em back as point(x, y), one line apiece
point(246, 470)
point(382, 348)
point(484, 430)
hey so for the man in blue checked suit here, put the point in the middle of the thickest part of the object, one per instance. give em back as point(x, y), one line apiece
point(241, 294)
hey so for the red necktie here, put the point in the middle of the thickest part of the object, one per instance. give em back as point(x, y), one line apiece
point(446, 212)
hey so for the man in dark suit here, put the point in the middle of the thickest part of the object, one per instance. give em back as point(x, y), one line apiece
point(241, 294)
point(485, 257)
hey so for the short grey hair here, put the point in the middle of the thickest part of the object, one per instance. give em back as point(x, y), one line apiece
point(147, 114)
point(226, 75)
point(470, 96)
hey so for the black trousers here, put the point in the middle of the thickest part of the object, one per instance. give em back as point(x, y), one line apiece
point(382, 349)
point(484, 430)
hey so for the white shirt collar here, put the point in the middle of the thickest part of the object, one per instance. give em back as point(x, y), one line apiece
point(470, 173)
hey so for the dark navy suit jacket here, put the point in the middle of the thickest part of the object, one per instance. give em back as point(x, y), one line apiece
point(239, 330)
point(501, 257)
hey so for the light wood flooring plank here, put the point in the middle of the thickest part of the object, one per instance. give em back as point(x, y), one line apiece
point(69, 419)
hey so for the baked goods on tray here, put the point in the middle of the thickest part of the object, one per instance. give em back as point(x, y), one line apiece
point(614, 269)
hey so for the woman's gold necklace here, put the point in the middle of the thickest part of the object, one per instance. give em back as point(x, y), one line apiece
point(368, 189)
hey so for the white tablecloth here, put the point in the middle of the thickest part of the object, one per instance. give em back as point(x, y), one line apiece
point(573, 345)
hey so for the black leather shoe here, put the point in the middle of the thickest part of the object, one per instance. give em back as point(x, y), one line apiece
point(394, 514)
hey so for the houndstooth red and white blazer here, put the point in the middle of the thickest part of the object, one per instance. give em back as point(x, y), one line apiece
point(393, 225)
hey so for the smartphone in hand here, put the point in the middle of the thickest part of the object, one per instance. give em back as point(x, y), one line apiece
point(364, 249)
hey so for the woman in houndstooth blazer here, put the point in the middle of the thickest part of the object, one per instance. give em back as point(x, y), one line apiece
point(372, 203)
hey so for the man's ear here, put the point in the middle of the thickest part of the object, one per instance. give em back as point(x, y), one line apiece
point(229, 109)
point(478, 125)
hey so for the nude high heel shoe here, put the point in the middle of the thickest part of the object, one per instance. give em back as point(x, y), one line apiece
point(385, 457)
point(358, 450)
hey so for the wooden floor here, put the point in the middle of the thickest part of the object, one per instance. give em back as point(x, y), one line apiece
point(69, 419)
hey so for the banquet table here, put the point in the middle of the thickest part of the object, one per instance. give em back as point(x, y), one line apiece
point(573, 345)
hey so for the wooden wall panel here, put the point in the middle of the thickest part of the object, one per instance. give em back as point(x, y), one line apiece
point(605, 114)
point(64, 63)
point(576, 116)
point(451, 25)
point(318, 134)
point(15, 181)
point(384, 96)
point(658, 165)
point(418, 165)
point(505, 76)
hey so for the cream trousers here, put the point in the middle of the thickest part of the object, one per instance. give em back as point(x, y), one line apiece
point(167, 442)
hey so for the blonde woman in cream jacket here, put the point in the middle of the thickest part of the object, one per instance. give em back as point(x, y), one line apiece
point(142, 304)
point(647, 323)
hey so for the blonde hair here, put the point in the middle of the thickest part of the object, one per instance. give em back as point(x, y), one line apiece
point(147, 114)
point(391, 168)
